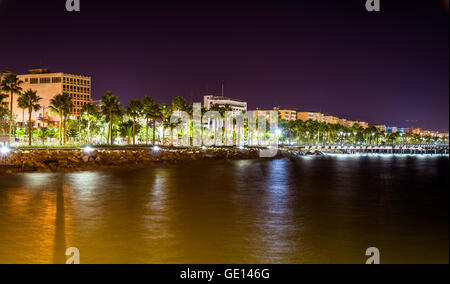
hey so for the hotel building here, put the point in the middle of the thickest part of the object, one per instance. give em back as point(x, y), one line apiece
point(418, 131)
point(48, 85)
point(380, 127)
point(363, 124)
point(288, 115)
point(285, 114)
point(391, 129)
point(315, 116)
point(331, 119)
point(235, 105)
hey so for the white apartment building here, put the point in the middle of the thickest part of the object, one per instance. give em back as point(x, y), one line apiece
point(236, 105)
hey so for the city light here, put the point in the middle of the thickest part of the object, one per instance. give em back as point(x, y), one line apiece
point(156, 148)
point(87, 149)
point(5, 150)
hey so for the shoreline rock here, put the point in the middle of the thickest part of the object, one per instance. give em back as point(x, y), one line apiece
point(75, 160)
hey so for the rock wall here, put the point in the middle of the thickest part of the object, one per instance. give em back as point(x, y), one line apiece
point(53, 160)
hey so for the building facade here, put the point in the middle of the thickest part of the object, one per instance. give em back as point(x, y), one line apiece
point(391, 129)
point(363, 125)
point(235, 105)
point(315, 116)
point(48, 85)
point(331, 119)
point(288, 115)
point(417, 131)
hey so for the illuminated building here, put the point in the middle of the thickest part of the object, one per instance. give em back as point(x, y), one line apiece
point(48, 85)
point(236, 105)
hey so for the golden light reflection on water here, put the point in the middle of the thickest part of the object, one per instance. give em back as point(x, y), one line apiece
point(324, 210)
point(36, 212)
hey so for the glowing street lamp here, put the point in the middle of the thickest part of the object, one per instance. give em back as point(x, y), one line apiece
point(5, 150)
point(87, 149)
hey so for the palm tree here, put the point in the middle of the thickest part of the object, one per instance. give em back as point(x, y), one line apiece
point(179, 103)
point(166, 112)
point(11, 83)
point(148, 107)
point(3, 108)
point(22, 105)
point(371, 134)
point(134, 109)
point(110, 107)
point(311, 128)
point(62, 105)
point(154, 114)
point(30, 99)
point(90, 114)
point(44, 132)
point(56, 106)
point(323, 128)
point(2, 97)
point(355, 129)
point(3, 113)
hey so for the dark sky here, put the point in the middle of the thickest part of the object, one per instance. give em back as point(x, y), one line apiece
point(317, 55)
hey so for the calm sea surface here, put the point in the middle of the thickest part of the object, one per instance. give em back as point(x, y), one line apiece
point(311, 210)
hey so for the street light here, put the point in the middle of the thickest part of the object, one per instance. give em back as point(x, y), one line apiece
point(5, 150)
point(88, 149)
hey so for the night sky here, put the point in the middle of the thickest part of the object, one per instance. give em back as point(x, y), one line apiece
point(317, 55)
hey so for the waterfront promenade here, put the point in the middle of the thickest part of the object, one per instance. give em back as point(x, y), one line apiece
point(103, 158)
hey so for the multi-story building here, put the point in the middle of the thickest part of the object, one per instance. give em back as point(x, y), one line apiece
point(236, 105)
point(343, 122)
point(380, 127)
point(391, 129)
point(331, 119)
point(363, 125)
point(314, 116)
point(350, 123)
point(48, 85)
point(257, 113)
point(418, 131)
point(435, 133)
point(288, 115)
point(406, 130)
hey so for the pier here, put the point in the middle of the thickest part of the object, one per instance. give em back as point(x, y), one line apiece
point(380, 149)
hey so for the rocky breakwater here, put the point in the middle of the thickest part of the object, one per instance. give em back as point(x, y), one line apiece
point(72, 160)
